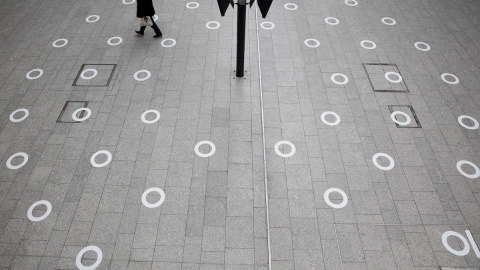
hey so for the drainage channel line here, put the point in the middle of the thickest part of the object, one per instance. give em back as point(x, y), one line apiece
point(263, 138)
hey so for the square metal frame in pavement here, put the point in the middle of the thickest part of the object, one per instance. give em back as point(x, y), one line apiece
point(412, 111)
point(83, 67)
point(384, 90)
point(59, 119)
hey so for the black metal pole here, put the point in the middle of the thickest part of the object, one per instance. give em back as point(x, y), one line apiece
point(242, 8)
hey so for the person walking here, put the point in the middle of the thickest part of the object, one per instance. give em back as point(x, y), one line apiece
point(145, 9)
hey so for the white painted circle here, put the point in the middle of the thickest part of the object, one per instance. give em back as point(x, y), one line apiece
point(144, 114)
point(389, 21)
point(212, 151)
point(462, 252)
point(195, 5)
point(317, 43)
point(327, 198)
point(351, 3)
point(128, 3)
point(327, 20)
point(74, 114)
point(290, 6)
point(322, 116)
point(92, 16)
point(169, 39)
point(399, 122)
point(155, 18)
point(42, 217)
point(460, 121)
point(444, 75)
point(82, 75)
point(95, 249)
point(9, 161)
point(422, 49)
point(120, 40)
point(375, 162)
point(135, 76)
point(292, 152)
point(153, 205)
point(19, 119)
point(271, 25)
point(65, 42)
point(217, 25)
point(373, 45)
point(341, 75)
point(398, 80)
point(35, 77)
point(99, 165)
point(460, 170)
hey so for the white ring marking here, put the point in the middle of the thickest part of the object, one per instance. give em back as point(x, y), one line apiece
point(135, 76)
point(341, 75)
point(393, 22)
point(475, 122)
point(153, 205)
point(422, 49)
point(212, 151)
point(272, 25)
point(387, 76)
point(19, 119)
point(471, 176)
point(82, 75)
point(292, 146)
point(317, 43)
point(144, 114)
point(36, 77)
point(74, 114)
point(462, 252)
point(92, 16)
point(407, 121)
point(327, 20)
point(322, 116)
point(95, 249)
point(327, 198)
point(444, 75)
point(217, 25)
point(375, 162)
point(128, 3)
point(286, 6)
point(352, 5)
point(366, 47)
point(9, 161)
point(170, 39)
point(188, 5)
point(42, 217)
point(99, 165)
point(120, 40)
point(65, 42)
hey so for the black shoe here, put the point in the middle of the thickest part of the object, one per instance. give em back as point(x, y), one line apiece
point(139, 33)
point(158, 36)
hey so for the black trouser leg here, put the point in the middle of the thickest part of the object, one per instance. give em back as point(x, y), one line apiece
point(142, 29)
point(155, 27)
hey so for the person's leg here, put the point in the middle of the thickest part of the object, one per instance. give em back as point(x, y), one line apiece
point(142, 29)
point(155, 27)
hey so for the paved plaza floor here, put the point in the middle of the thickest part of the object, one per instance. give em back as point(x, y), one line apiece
point(352, 141)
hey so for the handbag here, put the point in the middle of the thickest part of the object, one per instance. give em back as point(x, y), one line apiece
point(146, 21)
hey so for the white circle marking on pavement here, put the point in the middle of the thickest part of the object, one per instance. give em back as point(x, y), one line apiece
point(387, 168)
point(475, 167)
point(212, 151)
point(195, 5)
point(40, 73)
point(407, 121)
point(82, 75)
point(111, 43)
point(95, 249)
point(74, 114)
point(444, 78)
point(426, 49)
point(42, 217)
point(217, 25)
point(475, 122)
point(153, 205)
point(99, 165)
point(398, 80)
point(328, 19)
point(264, 25)
point(292, 151)
point(341, 75)
point(144, 115)
point(462, 252)
point(290, 6)
point(388, 21)
point(14, 167)
point(135, 76)
point(92, 16)
point(65, 42)
point(337, 121)
point(327, 198)
point(169, 39)
point(16, 120)
point(371, 47)
point(317, 43)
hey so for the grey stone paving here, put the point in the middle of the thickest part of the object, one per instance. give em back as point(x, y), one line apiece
point(214, 214)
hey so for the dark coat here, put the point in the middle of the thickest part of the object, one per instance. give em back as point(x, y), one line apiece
point(145, 8)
